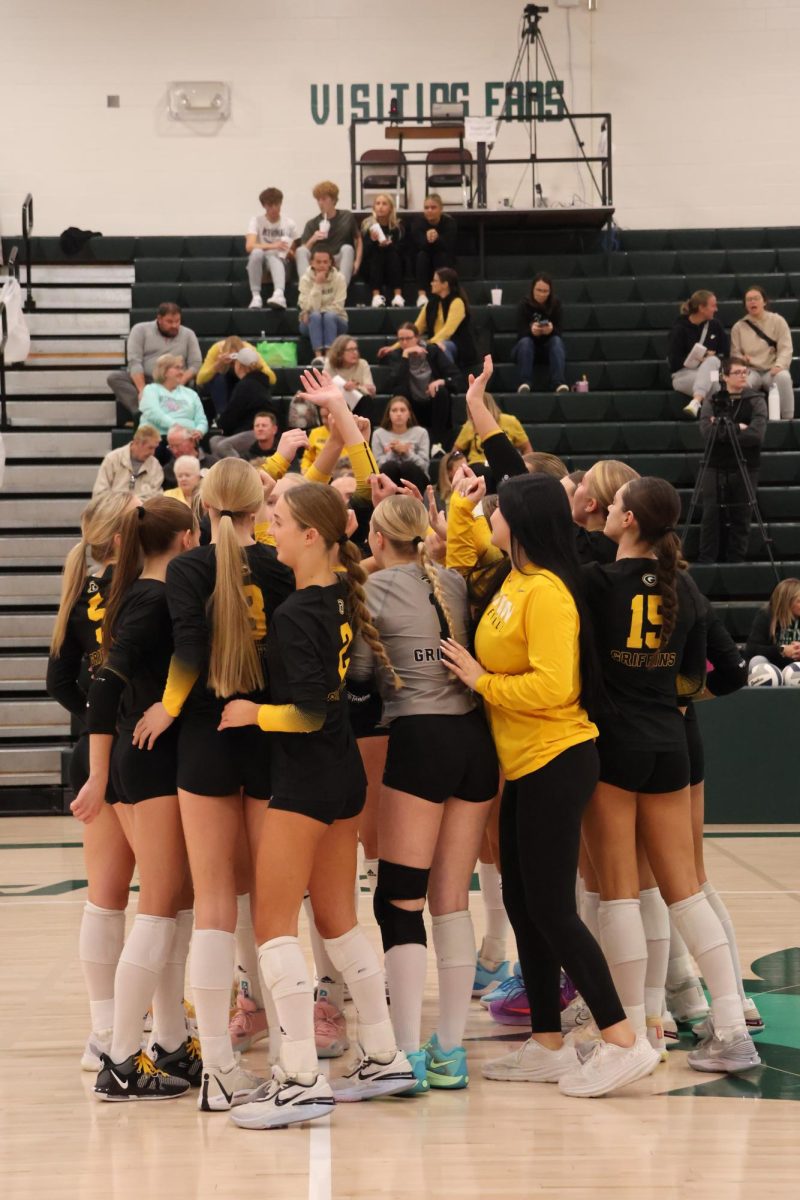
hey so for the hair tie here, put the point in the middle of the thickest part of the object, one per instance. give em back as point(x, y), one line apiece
point(668, 529)
point(343, 540)
point(416, 541)
point(140, 512)
point(226, 512)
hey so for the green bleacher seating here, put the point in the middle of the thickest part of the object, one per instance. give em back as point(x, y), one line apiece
point(724, 287)
point(213, 247)
point(621, 290)
point(158, 270)
point(618, 316)
point(752, 262)
point(741, 239)
point(211, 270)
point(702, 262)
point(662, 287)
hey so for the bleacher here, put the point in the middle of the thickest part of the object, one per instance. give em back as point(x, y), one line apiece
point(619, 305)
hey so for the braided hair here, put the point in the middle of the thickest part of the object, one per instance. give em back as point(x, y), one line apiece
point(657, 508)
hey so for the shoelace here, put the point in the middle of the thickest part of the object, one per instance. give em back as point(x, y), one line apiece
point(145, 1064)
point(193, 1049)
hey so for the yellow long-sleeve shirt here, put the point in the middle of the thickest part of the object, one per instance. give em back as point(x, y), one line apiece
point(469, 538)
point(317, 437)
point(527, 641)
point(442, 330)
point(469, 442)
point(208, 368)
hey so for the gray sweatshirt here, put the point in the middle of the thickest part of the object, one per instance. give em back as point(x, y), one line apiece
point(420, 452)
point(399, 601)
point(146, 344)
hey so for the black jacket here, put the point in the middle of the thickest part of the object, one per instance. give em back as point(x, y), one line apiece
point(466, 350)
point(685, 334)
point(251, 395)
point(759, 640)
point(748, 408)
point(528, 312)
point(444, 244)
point(441, 368)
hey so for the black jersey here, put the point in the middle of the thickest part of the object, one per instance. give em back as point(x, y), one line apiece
point(69, 674)
point(593, 546)
point(644, 679)
point(191, 578)
point(308, 653)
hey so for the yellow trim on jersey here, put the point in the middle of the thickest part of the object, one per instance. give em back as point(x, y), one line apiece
point(180, 681)
point(469, 538)
point(276, 466)
point(288, 718)
point(262, 534)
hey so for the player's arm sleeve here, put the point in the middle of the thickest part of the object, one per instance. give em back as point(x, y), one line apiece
point(62, 677)
point(276, 466)
point(103, 700)
point(305, 674)
point(468, 538)
point(550, 624)
point(692, 673)
point(186, 600)
point(503, 458)
point(364, 464)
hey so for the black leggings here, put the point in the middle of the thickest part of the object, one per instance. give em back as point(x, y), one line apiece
point(540, 830)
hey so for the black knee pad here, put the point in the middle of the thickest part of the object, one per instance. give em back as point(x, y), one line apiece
point(398, 926)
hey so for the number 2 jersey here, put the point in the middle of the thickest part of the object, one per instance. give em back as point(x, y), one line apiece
point(69, 673)
point(645, 680)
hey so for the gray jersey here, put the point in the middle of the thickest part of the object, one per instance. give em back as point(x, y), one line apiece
point(399, 601)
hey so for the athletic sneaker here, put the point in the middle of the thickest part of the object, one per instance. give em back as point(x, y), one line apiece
point(753, 1018)
point(277, 299)
point(191, 1017)
point(656, 1036)
point(562, 387)
point(513, 1008)
point(330, 1030)
point(510, 984)
point(379, 301)
point(398, 302)
point(670, 1028)
point(147, 1024)
point(532, 1063)
point(687, 1002)
point(446, 1069)
point(567, 990)
point(486, 978)
point(607, 1067)
point(97, 1044)
point(421, 299)
point(523, 387)
point(138, 1078)
point(283, 1101)
point(692, 410)
point(248, 1025)
point(418, 1060)
point(256, 301)
point(368, 1078)
point(575, 1016)
point(731, 1054)
point(185, 1062)
point(222, 1090)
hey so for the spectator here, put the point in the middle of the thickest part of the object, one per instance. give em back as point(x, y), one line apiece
point(217, 377)
point(317, 437)
point(382, 236)
point(252, 445)
point(433, 244)
point(323, 292)
point(183, 441)
point(269, 247)
point(188, 476)
point(448, 465)
point(775, 633)
point(764, 341)
point(539, 321)
point(726, 509)
point(251, 394)
point(697, 343)
point(445, 320)
point(468, 440)
point(347, 368)
point(425, 376)
point(399, 440)
point(132, 468)
point(147, 341)
point(167, 401)
point(334, 231)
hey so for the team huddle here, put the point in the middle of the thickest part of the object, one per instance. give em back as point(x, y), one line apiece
point(511, 680)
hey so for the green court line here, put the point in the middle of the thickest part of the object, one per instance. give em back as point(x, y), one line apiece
point(41, 846)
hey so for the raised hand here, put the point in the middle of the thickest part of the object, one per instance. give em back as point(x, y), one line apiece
point(479, 383)
point(320, 388)
point(291, 441)
point(381, 486)
point(473, 490)
point(438, 520)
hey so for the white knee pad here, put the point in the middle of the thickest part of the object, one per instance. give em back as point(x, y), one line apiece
point(621, 931)
point(454, 940)
point(283, 967)
point(353, 955)
point(102, 934)
point(698, 924)
point(149, 943)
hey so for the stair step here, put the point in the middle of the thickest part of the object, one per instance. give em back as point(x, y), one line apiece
point(49, 445)
point(78, 274)
point(40, 551)
point(30, 766)
point(90, 323)
point(51, 413)
point(31, 381)
point(35, 513)
point(23, 672)
point(76, 352)
point(44, 717)
point(29, 589)
point(19, 630)
point(83, 297)
point(71, 477)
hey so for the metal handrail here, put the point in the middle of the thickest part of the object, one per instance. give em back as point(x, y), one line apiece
point(12, 268)
point(3, 340)
point(27, 229)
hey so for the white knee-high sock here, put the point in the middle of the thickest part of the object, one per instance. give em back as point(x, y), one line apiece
point(589, 906)
point(702, 931)
point(454, 943)
point(330, 985)
point(140, 965)
point(353, 956)
point(246, 951)
point(718, 905)
point(406, 967)
point(680, 967)
point(371, 872)
point(655, 919)
point(211, 977)
point(285, 973)
point(102, 937)
point(169, 1017)
point(623, 942)
point(493, 946)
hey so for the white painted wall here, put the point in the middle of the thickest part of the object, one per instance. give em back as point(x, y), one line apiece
point(691, 84)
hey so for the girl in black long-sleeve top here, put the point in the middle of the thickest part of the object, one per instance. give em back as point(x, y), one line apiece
point(775, 633)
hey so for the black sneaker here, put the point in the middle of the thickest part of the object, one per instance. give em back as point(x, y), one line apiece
point(185, 1062)
point(138, 1078)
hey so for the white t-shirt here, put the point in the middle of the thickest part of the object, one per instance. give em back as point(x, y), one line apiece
point(284, 230)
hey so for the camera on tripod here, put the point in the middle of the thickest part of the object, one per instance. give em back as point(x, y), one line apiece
point(535, 10)
point(722, 404)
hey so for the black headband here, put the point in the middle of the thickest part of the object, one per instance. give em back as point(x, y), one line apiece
point(226, 512)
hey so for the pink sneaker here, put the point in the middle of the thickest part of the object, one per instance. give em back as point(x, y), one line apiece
point(330, 1030)
point(248, 1024)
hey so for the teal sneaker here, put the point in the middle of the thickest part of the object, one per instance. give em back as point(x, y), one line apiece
point(512, 983)
point(486, 980)
point(446, 1069)
point(419, 1064)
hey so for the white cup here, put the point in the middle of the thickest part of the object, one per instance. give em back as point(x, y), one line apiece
point(497, 295)
point(324, 226)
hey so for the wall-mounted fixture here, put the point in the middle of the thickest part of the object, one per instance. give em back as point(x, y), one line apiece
point(209, 101)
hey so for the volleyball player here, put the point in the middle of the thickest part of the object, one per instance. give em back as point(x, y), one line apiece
point(650, 630)
point(137, 647)
point(75, 649)
point(440, 778)
point(590, 502)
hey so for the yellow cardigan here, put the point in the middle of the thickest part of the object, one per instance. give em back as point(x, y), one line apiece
point(207, 371)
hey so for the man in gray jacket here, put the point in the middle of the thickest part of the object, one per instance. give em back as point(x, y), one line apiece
point(147, 341)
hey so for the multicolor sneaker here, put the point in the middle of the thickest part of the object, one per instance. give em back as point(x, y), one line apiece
point(446, 1069)
point(283, 1101)
point(248, 1025)
point(513, 1008)
point(485, 978)
point(191, 1017)
point(330, 1030)
point(575, 1016)
point(687, 1002)
point(368, 1078)
point(509, 984)
point(728, 1055)
point(567, 989)
point(222, 1090)
point(419, 1065)
point(138, 1078)
point(753, 1018)
point(656, 1036)
point(185, 1062)
point(97, 1044)
point(670, 1028)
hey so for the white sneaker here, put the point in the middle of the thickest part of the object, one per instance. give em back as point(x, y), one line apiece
point(692, 409)
point(276, 300)
point(421, 299)
point(283, 1101)
point(221, 1090)
point(753, 1018)
point(656, 1036)
point(718, 1055)
point(670, 1028)
point(367, 1079)
point(96, 1044)
point(379, 301)
point(398, 302)
point(687, 1002)
point(575, 1015)
point(532, 1063)
point(256, 301)
point(610, 1067)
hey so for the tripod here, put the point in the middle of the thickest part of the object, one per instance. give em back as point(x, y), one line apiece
point(724, 422)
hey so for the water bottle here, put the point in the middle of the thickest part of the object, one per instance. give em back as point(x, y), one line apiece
point(774, 403)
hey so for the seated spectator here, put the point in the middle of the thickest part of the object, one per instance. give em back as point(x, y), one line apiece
point(775, 633)
point(182, 441)
point(252, 445)
point(147, 341)
point(166, 401)
point(188, 476)
point(539, 331)
point(433, 244)
point(333, 230)
point(323, 292)
point(472, 446)
point(132, 468)
point(317, 437)
point(445, 319)
point(269, 246)
point(382, 267)
point(697, 344)
point(217, 377)
point(252, 393)
point(347, 368)
point(425, 376)
point(448, 465)
point(764, 341)
point(399, 440)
